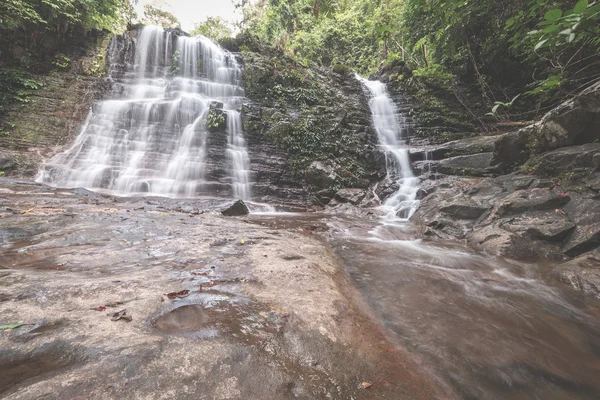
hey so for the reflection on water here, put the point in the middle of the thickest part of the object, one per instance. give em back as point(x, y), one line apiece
point(489, 328)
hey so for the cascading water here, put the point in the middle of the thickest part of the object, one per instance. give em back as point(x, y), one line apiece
point(391, 132)
point(171, 95)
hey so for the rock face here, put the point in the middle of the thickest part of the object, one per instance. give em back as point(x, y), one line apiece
point(531, 194)
point(237, 209)
point(571, 123)
point(56, 111)
point(308, 130)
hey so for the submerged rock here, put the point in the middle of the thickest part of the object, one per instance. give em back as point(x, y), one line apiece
point(238, 208)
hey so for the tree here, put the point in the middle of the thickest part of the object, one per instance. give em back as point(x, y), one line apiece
point(214, 28)
point(155, 14)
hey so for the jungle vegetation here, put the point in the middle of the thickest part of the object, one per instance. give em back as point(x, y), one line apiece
point(515, 54)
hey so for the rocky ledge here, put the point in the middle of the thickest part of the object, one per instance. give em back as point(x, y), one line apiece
point(530, 194)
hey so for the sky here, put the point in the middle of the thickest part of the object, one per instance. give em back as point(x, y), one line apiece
point(190, 12)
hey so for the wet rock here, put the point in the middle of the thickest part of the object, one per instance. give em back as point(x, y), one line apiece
point(496, 241)
point(237, 209)
point(386, 189)
point(551, 226)
point(446, 228)
point(321, 174)
point(463, 208)
point(582, 274)
point(507, 216)
point(216, 105)
point(352, 196)
point(586, 236)
point(7, 161)
point(462, 147)
point(472, 165)
point(532, 200)
point(324, 196)
point(573, 122)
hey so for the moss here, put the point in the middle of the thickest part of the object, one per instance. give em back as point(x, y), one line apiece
point(341, 69)
point(97, 66)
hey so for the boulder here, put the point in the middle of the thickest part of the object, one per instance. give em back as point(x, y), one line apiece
point(585, 213)
point(551, 226)
point(216, 105)
point(573, 122)
point(237, 209)
point(352, 196)
point(532, 200)
point(472, 165)
point(463, 208)
point(7, 161)
point(582, 274)
point(496, 241)
point(321, 174)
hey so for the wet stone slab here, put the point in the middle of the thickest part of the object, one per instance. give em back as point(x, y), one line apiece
point(262, 312)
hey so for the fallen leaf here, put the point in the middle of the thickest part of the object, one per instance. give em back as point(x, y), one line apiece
point(120, 315)
point(11, 326)
point(100, 308)
point(242, 242)
point(366, 385)
point(70, 309)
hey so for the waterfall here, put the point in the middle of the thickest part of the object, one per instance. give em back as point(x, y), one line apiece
point(391, 131)
point(152, 135)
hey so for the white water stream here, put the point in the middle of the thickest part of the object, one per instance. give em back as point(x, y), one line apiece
point(391, 131)
point(152, 135)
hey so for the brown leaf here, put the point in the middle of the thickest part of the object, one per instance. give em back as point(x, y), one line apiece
point(366, 385)
point(100, 308)
point(120, 315)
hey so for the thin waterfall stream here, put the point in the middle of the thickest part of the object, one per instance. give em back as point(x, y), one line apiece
point(171, 96)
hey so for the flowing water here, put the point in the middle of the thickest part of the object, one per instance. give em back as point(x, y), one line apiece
point(391, 132)
point(152, 135)
point(485, 327)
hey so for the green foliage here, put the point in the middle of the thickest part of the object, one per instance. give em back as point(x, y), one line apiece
point(546, 49)
point(436, 75)
point(154, 14)
point(15, 86)
point(58, 15)
point(175, 67)
point(567, 38)
point(214, 28)
point(61, 61)
point(215, 119)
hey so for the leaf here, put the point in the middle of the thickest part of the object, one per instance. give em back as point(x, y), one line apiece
point(551, 28)
point(571, 38)
point(510, 23)
point(553, 15)
point(580, 7)
point(495, 108)
point(540, 44)
point(12, 326)
point(120, 315)
point(514, 98)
